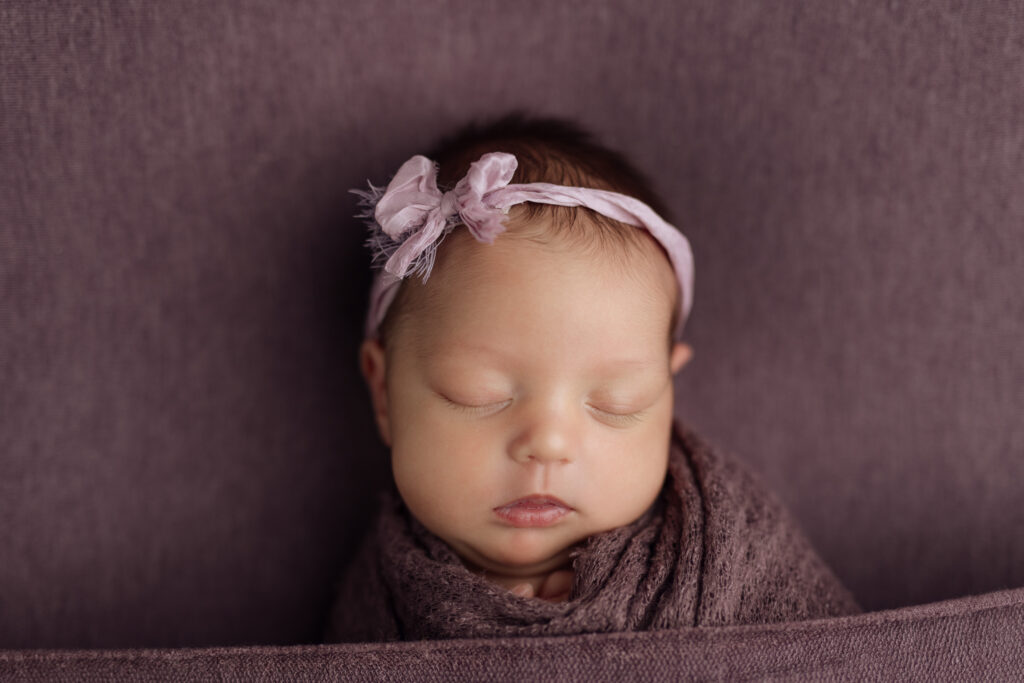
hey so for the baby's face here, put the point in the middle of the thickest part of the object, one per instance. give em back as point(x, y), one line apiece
point(535, 371)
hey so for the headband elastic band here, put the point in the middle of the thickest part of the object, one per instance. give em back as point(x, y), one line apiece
point(411, 216)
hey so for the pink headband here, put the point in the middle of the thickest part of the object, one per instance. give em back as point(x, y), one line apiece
point(411, 217)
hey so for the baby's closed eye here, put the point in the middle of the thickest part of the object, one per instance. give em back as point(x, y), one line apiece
point(618, 416)
point(475, 405)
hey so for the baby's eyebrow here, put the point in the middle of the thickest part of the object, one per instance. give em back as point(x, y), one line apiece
point(433, 352)
point(460, 349)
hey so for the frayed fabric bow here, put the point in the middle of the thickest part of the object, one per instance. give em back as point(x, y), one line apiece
point(409, 219)
point(414, 213)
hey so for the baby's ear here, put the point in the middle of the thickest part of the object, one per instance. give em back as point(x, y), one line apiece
point(372, 361)
point(681, 355)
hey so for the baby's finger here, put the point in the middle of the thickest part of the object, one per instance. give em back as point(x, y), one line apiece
point(523, 590)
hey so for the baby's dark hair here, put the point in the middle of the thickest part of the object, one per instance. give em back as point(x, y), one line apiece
point(548, 150)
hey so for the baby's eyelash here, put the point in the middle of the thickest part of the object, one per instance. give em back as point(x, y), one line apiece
point(616, 419)
point(622, 419)
point(492, 407)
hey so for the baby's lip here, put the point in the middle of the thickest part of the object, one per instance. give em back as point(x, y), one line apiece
point(536, 500)
point(533, 511)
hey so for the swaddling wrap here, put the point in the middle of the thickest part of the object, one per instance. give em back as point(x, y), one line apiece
point(715, 548)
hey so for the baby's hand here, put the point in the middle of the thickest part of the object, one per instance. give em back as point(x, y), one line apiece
point(554, 588)
point(557, 586)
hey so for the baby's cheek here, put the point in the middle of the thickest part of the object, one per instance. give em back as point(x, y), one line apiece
point(443, 464)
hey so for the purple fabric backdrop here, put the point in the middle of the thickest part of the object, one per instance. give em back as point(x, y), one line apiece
point(186, 454)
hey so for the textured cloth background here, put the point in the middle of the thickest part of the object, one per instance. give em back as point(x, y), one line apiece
point(186, 452)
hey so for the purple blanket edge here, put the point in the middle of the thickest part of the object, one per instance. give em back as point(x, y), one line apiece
point(977, 636)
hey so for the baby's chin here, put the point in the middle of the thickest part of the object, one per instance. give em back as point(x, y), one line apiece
point(524, 554)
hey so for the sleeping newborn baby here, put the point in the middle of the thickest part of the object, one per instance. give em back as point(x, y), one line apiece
point(523, 335)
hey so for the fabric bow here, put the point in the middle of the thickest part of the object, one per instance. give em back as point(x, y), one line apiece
point(415, 212)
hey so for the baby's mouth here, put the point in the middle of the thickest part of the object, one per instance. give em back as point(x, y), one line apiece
point(533, 511)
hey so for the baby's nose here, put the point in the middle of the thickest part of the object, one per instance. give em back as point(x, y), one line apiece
point(546, 439)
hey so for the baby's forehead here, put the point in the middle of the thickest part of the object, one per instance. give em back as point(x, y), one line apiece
point(599, 241)
point(466, 269)
point(468, 272)
point(604, 252)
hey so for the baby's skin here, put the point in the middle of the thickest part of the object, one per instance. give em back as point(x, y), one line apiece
point(530, 371)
